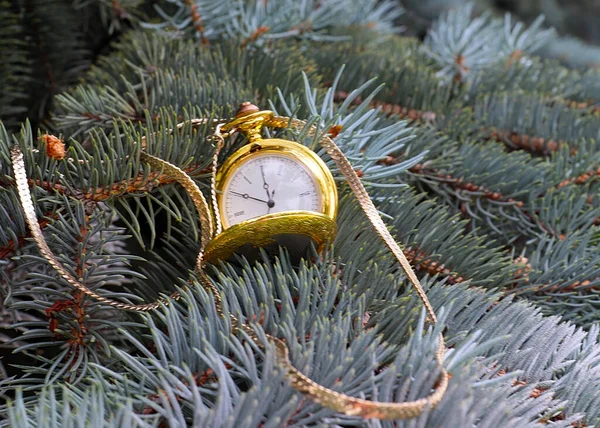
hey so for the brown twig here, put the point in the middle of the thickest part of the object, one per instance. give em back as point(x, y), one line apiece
point(80, 330)
point(537, 392)
point(580, 179)
point(576, 286)
point(200, 380)
point(537, 145)
point(583, 105)
point(141, 183)
point(405, 113)
point(463, 70)
point(254, 36)
point(197, 21)
point(421, 261)
point(514, 57)
point(57, 307)
point(75, 305)
point(11, 246)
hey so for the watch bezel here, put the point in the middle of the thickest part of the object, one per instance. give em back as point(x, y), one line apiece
point(312, 162)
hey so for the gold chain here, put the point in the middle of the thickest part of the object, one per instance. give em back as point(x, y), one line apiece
point(334, 400)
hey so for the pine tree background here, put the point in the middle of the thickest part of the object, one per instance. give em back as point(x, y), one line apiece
point(475, 131)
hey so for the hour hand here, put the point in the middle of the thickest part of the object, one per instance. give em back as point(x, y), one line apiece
point(246, 196)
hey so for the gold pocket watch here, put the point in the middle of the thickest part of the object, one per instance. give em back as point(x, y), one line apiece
point(271, 192)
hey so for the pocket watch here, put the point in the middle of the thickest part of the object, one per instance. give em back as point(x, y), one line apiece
point(271, 192)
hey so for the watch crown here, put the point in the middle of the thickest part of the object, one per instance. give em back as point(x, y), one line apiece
point(246, 108)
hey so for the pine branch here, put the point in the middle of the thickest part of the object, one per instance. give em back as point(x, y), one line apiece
point(462, 44)
point(530, 122)
point(391, 109)
point(257, 22)
point(510, 365)
point(460, 184)
point(142, 183)
point(15, 73)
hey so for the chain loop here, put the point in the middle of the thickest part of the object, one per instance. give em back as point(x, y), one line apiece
point(334, 400)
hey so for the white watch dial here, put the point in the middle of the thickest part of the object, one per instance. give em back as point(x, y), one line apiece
point(268, 184)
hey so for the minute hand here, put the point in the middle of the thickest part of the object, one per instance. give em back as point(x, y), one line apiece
point(265, 185)
point(246, 196)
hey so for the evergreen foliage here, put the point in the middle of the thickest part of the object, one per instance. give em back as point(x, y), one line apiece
point(478, 147)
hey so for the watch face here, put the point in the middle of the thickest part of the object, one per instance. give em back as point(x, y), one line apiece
point(269, 183)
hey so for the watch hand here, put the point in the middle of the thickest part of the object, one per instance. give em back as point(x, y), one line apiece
point(270, 202)
point(265, 185)
point(246, 196)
